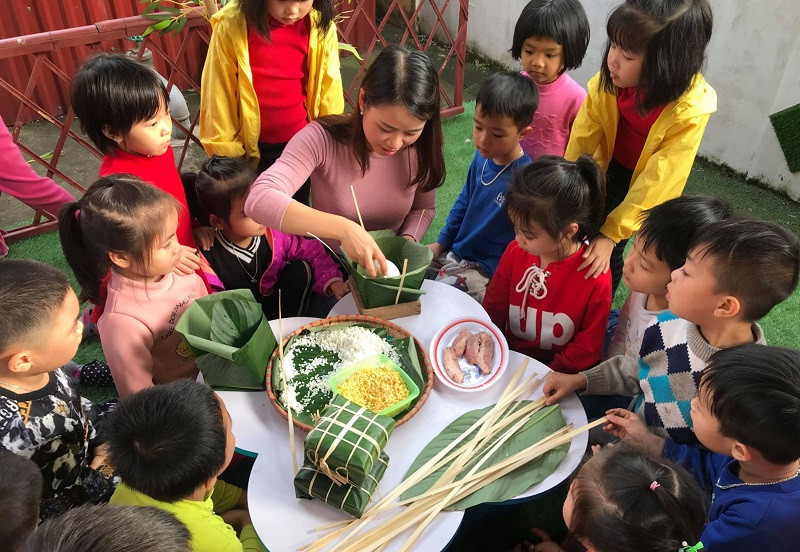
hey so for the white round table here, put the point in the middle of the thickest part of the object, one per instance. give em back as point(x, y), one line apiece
point(284, 522)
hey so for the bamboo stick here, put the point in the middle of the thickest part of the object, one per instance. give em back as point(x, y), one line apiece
point(402, 279)
point(421, 216)
point(358, 211)
point(285, 386)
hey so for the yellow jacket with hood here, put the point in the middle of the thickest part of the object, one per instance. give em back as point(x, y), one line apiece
point(667, 157)
point(230, 123)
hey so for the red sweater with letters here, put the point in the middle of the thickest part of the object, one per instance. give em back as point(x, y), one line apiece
point(556, 315)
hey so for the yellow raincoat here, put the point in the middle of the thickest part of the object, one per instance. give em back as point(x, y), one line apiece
point(667, 157)
point(230, 122)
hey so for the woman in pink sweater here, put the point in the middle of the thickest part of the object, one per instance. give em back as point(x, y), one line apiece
point(19, 180)
point(389, 151)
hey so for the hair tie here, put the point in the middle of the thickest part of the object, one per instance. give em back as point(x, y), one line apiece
point(686, 548)
point(654, 485)
point(77, 214)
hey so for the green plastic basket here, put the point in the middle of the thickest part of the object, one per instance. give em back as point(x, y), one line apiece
point(392, 410)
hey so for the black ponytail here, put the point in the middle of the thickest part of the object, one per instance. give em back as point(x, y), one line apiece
point(595, 178)
point(88, 270)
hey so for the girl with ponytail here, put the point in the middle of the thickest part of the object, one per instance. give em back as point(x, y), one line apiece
point(127, 228)
point(545, 306)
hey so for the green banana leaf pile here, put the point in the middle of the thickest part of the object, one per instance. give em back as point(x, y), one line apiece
point(541, 424)
point(324, 364)
point(379, 291)
point(230, 339)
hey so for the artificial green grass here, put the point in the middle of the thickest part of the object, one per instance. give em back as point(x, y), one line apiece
point(787, 128)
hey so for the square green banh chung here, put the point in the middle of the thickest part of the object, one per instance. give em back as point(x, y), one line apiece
point(347, 440)
point(310, 482)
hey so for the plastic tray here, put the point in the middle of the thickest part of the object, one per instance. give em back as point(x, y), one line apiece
point(392, 410)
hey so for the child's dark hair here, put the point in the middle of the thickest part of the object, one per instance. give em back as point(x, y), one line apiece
point(113, 92)
point(508, 94)
point(756, 261)
point(563, 21)
point(672, 35)
point(220, 182)
point(20, 493)
point(117, 213)
point(399, 76)
point(554, 193)
point(754, 393)
point(31, 294)
point(255, 12)
point(669, 228)
point(95, 528)
point(166, 441)
point(627, 501)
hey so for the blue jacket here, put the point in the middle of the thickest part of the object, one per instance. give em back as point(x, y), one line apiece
point(477, 228)
point(742, 517)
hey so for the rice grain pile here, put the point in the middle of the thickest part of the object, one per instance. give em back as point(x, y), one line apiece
point(375, 388)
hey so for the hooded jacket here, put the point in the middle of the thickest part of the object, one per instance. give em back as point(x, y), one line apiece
point(666, 158)
point(230, 123)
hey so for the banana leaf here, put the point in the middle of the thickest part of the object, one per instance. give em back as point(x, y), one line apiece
point(230, 338)
point(409, 361)
point(541, 424)
point(379, 291)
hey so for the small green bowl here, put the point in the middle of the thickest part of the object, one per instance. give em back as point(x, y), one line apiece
point(392, 410)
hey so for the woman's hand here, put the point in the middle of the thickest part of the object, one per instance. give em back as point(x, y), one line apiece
point(361, 247)
point(557, 386)
point(339, 289)
point(597, 256)
point(189, 261)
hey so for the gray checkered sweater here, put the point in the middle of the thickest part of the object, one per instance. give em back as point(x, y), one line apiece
point(662, 374)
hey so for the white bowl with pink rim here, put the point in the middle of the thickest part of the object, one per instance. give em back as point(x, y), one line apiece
point(473, 381)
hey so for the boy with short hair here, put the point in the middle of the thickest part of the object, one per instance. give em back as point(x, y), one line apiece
point(168, 444)
point(659, 247)
point(42, 415)
point(747, 414)
point(477, 231)
point(735, 272)
point(20, 492)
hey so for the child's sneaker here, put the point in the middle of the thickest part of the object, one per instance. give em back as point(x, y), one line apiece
point(96, 372)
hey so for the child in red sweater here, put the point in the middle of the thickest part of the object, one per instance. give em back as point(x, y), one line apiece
point(546, 308)
point(124, 109)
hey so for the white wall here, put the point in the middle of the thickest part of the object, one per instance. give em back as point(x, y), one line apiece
point(753, 63)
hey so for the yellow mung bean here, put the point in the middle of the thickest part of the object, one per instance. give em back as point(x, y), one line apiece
point(375, 388)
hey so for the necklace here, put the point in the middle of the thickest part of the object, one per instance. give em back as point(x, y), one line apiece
point(252, 276)
point(501, 170)
point(732, 485)
point(15, 386)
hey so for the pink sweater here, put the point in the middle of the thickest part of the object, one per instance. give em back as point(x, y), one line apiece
point(559, 103)
point(383, 194)
point(19, 180)
point(137, 330)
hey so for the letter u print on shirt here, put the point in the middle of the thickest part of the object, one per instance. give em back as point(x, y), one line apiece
point(530, 326)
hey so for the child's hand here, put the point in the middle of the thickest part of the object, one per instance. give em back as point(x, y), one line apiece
point(628, 427)
point(597, 256)
point(238, 519)
point(100, 454)
point(339, 289)
point(204, 236)
point(436, 248)
point(557, 386)
point(189, 261)
point(547, 544)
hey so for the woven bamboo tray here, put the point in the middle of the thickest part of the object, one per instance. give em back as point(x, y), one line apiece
point(393, 329)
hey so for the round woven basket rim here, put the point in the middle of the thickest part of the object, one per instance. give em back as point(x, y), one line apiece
point(394, 330)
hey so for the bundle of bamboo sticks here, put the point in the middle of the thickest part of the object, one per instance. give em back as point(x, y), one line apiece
point(493, 429)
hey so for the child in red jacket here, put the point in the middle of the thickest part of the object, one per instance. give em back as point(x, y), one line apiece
point(547, 309)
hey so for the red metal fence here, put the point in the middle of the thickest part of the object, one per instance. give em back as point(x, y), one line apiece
point(36, 67)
